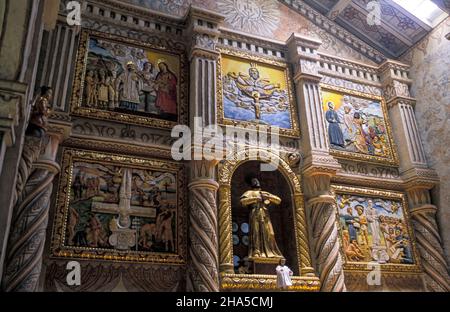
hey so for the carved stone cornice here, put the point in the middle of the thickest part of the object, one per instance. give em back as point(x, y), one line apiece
point(398, 100)
point(322, 164)
point(334, 29)
point(303, 54)
point(420, 178)
point(203, 32)
point(12, 108)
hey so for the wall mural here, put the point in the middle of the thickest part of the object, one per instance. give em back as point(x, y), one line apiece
point(374, 227)
point(257, 92)
point(123, 78)
point(357, 125)
point(118, 207)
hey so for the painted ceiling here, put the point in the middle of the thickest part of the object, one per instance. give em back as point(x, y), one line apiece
point(399, 29)
point(346, 20)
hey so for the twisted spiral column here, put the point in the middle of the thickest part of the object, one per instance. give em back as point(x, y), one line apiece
point(203, 250)
point(226, 243)
point(29, 224)
point(326, 243)
point(30, 154)
point(302, 235)
point(430, 248)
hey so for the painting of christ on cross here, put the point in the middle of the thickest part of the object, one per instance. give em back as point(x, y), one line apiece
point(121, 208)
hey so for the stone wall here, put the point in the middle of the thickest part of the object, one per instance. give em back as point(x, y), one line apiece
point(431, 87)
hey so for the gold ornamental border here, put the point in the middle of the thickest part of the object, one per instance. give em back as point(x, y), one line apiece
point(225, 173)
point(58, 247)
point(267, 282)
point(384, 194)
point(76, 107)
point(235, 54)
point(392, 159)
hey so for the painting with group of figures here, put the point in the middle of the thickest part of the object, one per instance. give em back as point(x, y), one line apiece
point(123, 80)
point(374, 227)
point(357, 125)
point(256, 92)
point(114, 205)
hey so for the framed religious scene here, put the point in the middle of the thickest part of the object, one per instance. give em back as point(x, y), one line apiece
point(129, 81)
point(374, 228)
point(256, 92)
point(115, 207)
point(358, 125)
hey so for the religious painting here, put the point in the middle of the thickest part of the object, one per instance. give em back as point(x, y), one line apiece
point(374, 228)
point(357, 125)
point(255, 91)
point(128, 81)
point(118, 207)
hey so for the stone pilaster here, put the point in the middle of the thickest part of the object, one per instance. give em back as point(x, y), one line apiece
point(419, 179)
point(30, 216)
point(394, 77)
point(318, 166)
point(203, 31)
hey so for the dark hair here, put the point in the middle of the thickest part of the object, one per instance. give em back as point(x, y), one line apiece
point(357, 115)
point(45, 89)
point(249, 178)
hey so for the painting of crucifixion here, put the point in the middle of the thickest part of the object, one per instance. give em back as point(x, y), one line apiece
point(256, 93)
point(112, 206)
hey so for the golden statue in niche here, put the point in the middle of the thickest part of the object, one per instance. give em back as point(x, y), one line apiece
point(262, 237)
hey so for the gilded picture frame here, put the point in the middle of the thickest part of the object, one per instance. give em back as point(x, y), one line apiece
point(281, 91)
point(87, 225)
point(377, 146)
point(401, 216)
point(107, 111)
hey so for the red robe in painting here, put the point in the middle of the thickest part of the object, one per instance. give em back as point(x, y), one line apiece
point(166, 95)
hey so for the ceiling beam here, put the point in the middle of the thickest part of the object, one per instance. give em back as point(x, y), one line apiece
point(443, 4)
point(387, 27)
point(336, 10)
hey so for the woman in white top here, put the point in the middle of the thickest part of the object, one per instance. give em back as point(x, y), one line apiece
point(283, 275)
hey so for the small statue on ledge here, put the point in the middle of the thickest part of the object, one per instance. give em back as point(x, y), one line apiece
point(283, 275)
point(262, 237)
point(39, 113)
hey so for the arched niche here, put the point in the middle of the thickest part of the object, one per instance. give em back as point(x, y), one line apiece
point(282, 216)
point(226, 173)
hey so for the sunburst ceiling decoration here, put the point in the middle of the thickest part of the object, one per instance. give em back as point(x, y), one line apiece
point(259, 17)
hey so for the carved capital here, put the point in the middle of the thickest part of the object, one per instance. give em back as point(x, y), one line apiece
point(12, 108)
point(203, 30)
point(203, 170)
point(420, 178)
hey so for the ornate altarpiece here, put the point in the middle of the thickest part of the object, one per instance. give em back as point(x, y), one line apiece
point(306, 162)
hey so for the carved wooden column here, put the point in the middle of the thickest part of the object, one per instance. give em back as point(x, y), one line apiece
point(419, 179)
point(203, 233)
point(203, 273)
point(30, 215)
point(20, 41)
point(318, 166)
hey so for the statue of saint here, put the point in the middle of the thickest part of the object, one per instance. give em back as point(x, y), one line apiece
point(262, 237)
point(38, 123)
